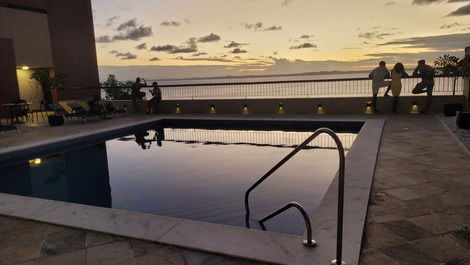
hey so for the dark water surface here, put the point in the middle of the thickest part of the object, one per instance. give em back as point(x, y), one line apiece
point(197, 174)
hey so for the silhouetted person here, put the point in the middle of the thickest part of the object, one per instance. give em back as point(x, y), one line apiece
point(398, 72)
point(159, 136)
point(141, 141)
point(136, 93)
point(156, 97)
point(426, 85)
point(378, 76)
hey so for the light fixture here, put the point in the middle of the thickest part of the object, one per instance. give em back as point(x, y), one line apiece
point(245, 109)
point(36, 161)
point(178, 109)
point(369, 109)
point(320, 109)
point(281, 109)
point(25, 67)
point(212, 109)
point(414, 108)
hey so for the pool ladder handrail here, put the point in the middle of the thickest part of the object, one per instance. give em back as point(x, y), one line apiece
point(309, 242)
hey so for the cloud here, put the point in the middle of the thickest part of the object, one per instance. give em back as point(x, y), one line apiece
point(170, 23)
point(126, 56)
point(374, 35)
point(134, 33)
point(209, 38)
point(259, 26)
point(104, 39)
point(456, 1)
point(238, 50)
point(153, 59)
point(141, 46)
point(111, 21)
point(273, 28)
point(437, 43)
point(463, 11)
point(114, 52)
point(286, 2)
point(132, 23)
point(234, 44)
point(187, 20)
point(191, 47)
point(256, 26)
point(305, 45)
point(199, 54)
point(390, 3)
point(208, 59)
point(306, 36)
point(426, 2)
point(449, 26)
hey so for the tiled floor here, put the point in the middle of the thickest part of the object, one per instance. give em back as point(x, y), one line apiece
point(27, 243)
point(420, 196)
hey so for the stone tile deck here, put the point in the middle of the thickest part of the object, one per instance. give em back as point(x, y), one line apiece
point(420, 196)
point(26, 243)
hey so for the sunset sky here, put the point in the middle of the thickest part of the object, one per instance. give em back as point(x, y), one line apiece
point(183, 38)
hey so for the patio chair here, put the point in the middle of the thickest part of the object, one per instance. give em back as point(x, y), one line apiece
point(20, 110)
point(42, 109)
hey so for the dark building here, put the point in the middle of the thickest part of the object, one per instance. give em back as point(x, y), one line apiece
point(54, 35)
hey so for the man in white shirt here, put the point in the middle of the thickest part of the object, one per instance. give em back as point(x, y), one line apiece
point(378, 76)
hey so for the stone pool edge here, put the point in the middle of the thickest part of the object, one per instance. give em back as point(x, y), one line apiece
point(236, 242)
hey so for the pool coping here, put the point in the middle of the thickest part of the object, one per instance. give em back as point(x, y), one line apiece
point(232, 241)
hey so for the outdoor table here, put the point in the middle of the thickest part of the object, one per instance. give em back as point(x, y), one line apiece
point(12, 105)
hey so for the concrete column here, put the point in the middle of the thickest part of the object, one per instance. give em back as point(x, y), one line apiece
point(9, 90)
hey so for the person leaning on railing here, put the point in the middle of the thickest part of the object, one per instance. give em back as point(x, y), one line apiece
point(378, 76)
point(426, 85)
point(136, 93)
point(398, 72)
point(156, 97)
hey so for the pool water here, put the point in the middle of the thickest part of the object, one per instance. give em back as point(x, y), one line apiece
point(197, 174)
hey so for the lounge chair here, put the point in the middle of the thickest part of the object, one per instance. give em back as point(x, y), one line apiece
point(59, 110)
point(80, 112)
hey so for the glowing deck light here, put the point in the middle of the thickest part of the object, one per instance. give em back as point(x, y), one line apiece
point(414, 108)
point(36, 161)
point(281, 109)
point(212, 109)
point(320, 109)
point(25, 67)
point(369, 109)
point(245, 109)
point(178, 109)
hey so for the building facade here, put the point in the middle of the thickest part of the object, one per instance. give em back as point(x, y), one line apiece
point(52, 35)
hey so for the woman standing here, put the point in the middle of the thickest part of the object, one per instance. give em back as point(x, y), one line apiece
point(398, 72)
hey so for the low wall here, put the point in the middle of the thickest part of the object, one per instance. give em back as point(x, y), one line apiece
point(291, 106)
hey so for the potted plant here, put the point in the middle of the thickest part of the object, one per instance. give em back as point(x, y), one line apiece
point(49, 84)
point(450, 66)
point(463, 118)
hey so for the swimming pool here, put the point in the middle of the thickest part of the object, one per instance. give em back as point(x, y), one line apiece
point(194, 173)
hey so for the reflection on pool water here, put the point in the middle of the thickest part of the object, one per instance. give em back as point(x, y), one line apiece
point(197, 174)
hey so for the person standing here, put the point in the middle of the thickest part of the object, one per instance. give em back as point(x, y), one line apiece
point(378, 76)
point(136, 93)
point(426, 85)
point(398, 72)
point(156, 97)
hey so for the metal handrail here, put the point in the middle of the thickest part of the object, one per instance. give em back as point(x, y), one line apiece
point(309, 242)
point(332, 134)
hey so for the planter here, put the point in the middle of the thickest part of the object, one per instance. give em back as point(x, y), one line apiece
point(55, 120)
point(451, 109)
point(463, 120)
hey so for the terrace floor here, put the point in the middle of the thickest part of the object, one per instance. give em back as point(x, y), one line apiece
point(420, 198)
